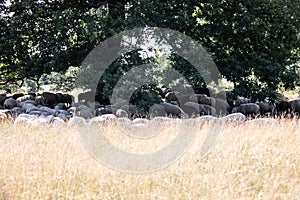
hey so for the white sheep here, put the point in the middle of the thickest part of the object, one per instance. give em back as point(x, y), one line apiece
point(234, 117)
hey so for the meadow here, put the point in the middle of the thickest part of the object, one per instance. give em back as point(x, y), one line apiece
point(254, 161)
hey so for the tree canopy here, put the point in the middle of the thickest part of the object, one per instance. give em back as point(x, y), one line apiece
point(255, 44)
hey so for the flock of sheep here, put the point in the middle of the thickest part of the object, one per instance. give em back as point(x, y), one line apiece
point(206, 103)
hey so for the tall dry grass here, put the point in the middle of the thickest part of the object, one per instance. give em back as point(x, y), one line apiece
point(249, 162)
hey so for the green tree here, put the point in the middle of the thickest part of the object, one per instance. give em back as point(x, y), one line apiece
point(40, 37)
point(255, 44)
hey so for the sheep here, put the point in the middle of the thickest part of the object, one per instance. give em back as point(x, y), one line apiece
point(67, 99)
point(60, 106)
point(102, 99)
point(65, 112)
point(265, 107)
point(247, 109)
point(39, 100)
point(28, 116)
point(17, 95)
point(38, 113)
point(50, 99)
point(56, 121)
point(281, 108)
point(102, 111)
point(225, 95)
point(30, 102)
point(194, 108)
point(16, 111)
point(140, 113)
point(131, 109)
point(32, 94)
point(191, 111)
point(294, 105)
point(72, 110)
point(87, 114)
point(21, 121)
point(173, 110)
point(109, 117)
point(112, 108)
point(171, 96)
point(92, 105)
point(201, 109)
point(157, 110)
point(3, 97)
point(25, 97)
point(64, 116)
point(86, 97)
point(210, 110)
point(241, 100)
point(47, 109)
point(24, 119)
point(41, 121)
point(121, 113)
point(221, 106)
point(31, 108)
point(10, 103)
point(25, 106)
point(201, 99)
point(82, 107)
point(103, 120)
point(174, 103)
point(234, 117)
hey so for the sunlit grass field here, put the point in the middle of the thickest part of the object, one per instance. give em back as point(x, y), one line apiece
point(254, 161)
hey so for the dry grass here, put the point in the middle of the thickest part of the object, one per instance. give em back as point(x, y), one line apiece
point(249, 162)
